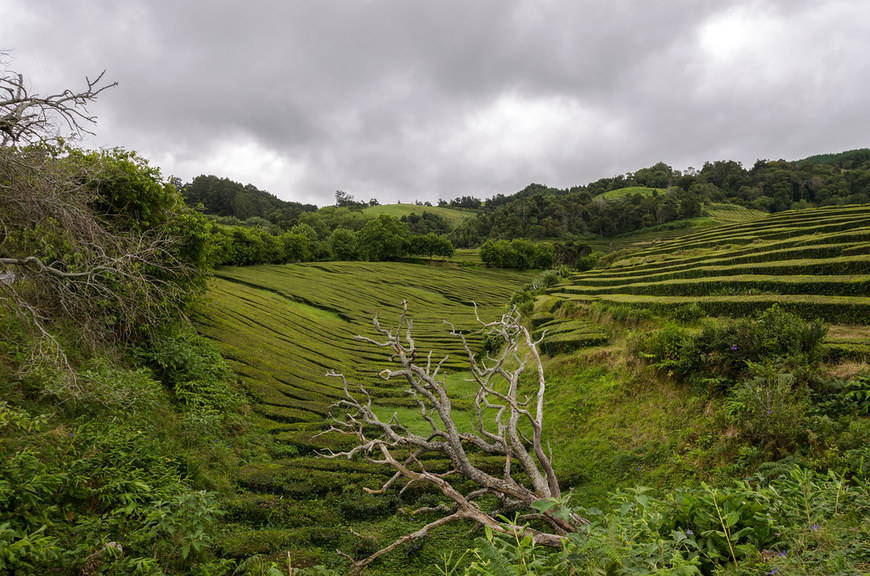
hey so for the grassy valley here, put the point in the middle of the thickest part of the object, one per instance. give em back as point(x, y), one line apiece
point(282, 328)
point(629, 402)
point(454, 216)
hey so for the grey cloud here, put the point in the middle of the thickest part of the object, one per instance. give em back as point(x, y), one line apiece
point(406, 100)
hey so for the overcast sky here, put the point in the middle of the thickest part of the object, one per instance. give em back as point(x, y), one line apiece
point(406, 100)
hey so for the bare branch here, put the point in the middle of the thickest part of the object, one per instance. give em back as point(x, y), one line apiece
point(61, 259)
point(27, 117)
point(500, 411)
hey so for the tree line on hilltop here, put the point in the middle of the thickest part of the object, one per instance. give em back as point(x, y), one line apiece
point(253, 226)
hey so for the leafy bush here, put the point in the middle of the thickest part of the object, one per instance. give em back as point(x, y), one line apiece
point(768, 408)
point(23, 552)
point(724, 350)
point(798, 523)
point(194, 370)
point(857, 392)
point(671, 349)
point(631, 540)
point(96, 483)
point(509, 555)
point(727, 523)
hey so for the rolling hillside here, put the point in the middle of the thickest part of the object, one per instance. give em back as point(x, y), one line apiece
point(610, 424)
point(282, 328)
point(812, 262)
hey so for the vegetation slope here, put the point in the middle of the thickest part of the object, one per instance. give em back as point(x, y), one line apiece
point(685, 358)
point(681, 394)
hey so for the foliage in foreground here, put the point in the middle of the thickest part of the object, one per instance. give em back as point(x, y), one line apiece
point(796, 522)
point(121, 478)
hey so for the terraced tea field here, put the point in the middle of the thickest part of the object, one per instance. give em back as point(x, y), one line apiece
point(733, 213)
point(713, 215)
point(812, 262)
point(282, 328)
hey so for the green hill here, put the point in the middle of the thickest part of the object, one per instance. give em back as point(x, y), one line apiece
point(813, 262)
point(453, 216)
point(636, 394)
point(630, 190)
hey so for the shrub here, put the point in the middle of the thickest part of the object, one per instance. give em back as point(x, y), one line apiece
point(356, 506)
point(769, 408)
point(670, 349)
point(727, 524)
point(194, 370)
point(724, 349)
point(857, 392)
point(729, 347)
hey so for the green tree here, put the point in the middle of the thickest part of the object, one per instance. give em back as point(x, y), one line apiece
point(383, 238)
point(495, 253)
point(444, 248)
point(424, 244)
point(99, 240)
point(343, 244)
point(296, 247)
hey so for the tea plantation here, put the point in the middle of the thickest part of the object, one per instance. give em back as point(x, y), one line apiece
point(639, 393)
point(815, 263)
point(282, 328)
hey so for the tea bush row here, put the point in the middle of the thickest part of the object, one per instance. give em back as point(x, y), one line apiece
point(844, 265)
point(836, 309)
point(727, 256)
point(811, 285)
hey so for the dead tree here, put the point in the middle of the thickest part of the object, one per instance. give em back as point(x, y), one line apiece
point(62, 261)
point(502, 410)
point(26, 116)
point(67, 253)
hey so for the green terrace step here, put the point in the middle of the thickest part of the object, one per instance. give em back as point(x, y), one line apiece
point(813, 244)
point(854, 285)
point(568, 336)
point(841, 266)
point(734, 213)
point(773, 227)
point(815, 247)
point(842, 349)
point(837, 309)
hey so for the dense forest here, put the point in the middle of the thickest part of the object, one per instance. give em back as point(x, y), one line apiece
point(255, 227)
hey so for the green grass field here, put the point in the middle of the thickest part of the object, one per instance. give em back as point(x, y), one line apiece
point(623, 192)
point(454, 216)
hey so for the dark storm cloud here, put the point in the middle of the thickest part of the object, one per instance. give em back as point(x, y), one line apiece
point(411, 100)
